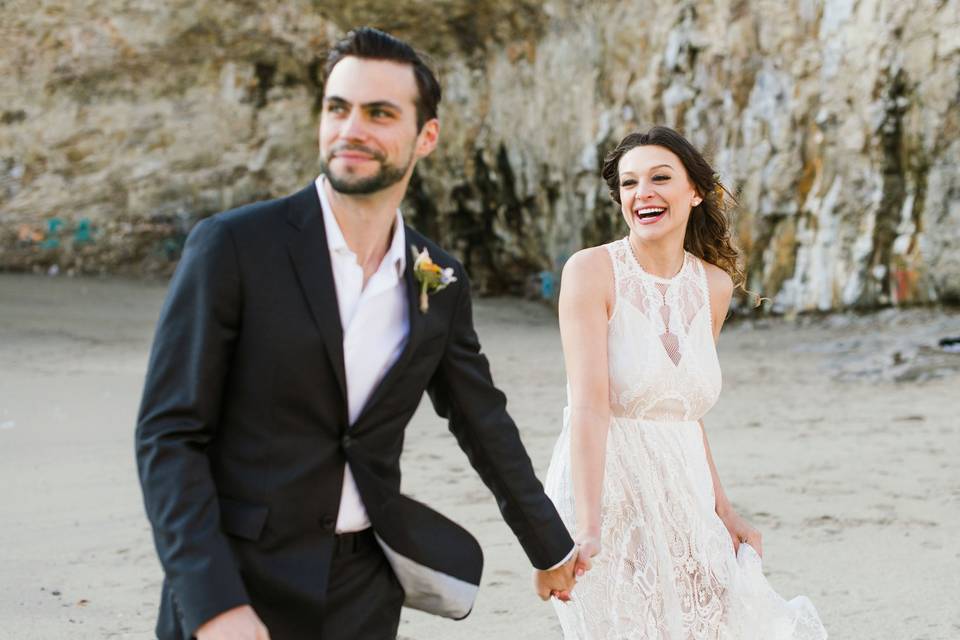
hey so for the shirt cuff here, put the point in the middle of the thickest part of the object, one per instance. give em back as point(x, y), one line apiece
point(565, 560)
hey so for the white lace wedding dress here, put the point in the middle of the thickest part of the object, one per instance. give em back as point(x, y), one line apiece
point(667, 570)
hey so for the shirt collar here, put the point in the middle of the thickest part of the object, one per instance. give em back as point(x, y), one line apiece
point(396, 253)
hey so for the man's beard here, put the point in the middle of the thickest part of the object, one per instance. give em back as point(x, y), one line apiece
point(387, 176)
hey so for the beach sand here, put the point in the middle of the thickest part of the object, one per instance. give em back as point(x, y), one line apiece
point(838, 437)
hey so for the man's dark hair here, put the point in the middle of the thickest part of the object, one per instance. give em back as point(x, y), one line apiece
point(373, 44)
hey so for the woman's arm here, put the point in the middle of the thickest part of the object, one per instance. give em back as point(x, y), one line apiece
point(586, 297)
point(722, 502)
point(720, 286)
point(739, 529)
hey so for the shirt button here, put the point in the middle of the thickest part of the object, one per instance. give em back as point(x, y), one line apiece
point(346, 442)
point(327, 523)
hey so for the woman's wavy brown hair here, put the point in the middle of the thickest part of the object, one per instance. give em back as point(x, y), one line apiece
point(708, 230)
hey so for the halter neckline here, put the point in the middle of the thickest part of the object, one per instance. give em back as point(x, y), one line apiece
point(655, 278)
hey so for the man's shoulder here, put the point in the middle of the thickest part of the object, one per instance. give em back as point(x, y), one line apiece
point(255, 216)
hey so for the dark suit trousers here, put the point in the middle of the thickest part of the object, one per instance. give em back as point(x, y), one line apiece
point(363, 595)
point(364, 600)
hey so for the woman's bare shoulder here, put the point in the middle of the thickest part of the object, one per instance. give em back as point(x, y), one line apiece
point(718, 281)
point(720, 288)
point(589, 262)
point(588, 266)
point(588, 275)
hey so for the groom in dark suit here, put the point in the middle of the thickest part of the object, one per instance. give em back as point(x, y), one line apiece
point(295, 343)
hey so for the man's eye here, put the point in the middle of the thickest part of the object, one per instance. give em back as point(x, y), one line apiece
point(335, 108)
point(380, 113)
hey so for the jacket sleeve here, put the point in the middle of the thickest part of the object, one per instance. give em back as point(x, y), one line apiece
point(462, 391)
point(179, 416)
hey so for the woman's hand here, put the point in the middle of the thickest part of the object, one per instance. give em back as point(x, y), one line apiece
point(588, 545)
point(741, 531)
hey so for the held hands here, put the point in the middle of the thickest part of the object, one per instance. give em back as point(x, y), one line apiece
point(740, 530)
point(239, 623)
point(559, 582)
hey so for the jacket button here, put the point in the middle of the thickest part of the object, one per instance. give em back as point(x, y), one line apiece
point(327, 522)
point(346, 442)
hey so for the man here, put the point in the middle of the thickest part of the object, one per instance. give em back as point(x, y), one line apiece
point(292, 350)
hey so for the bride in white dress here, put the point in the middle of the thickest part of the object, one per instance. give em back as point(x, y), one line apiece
point(632, 474)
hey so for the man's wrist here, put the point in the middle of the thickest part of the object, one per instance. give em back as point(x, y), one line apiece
point(565, 560)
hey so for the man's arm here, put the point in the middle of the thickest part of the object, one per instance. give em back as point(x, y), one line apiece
point(462, 391)
point(178, 417)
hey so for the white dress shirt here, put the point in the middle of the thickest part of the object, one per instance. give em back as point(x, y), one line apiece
point(375, 325)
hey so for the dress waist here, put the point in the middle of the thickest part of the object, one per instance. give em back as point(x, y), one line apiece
point(652, 421)
point(622, 417)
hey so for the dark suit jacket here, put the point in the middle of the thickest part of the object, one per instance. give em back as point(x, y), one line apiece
point(243, 434)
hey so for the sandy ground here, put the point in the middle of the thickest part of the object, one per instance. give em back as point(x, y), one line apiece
point(852, 475)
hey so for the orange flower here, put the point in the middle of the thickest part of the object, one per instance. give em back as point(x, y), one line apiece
point(430, 275)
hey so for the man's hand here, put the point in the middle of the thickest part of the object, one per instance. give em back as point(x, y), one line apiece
point(239, 623)
point(557, 581)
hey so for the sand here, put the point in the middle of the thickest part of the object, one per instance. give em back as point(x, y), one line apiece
point(837, 437)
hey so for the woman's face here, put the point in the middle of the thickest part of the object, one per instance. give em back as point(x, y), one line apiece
point(656, 194)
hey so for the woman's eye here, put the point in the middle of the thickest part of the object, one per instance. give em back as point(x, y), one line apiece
point(628, 182)
point(660, 178)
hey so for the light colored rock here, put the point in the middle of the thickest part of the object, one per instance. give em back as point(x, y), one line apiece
point(835, 122)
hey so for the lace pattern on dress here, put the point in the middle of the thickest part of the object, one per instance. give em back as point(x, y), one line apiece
point(667, 570)
point(677, 312)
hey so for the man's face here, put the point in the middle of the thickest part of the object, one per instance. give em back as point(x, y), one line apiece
point(368, 129)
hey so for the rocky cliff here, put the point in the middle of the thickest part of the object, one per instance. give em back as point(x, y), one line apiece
point(122, 122)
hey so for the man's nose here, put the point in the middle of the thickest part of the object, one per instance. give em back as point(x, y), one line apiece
point(353, 127)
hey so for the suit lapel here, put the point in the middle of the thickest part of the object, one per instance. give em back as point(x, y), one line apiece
point(311, 259)
point(417, 321)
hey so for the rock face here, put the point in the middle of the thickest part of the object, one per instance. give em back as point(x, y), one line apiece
point(838, 124)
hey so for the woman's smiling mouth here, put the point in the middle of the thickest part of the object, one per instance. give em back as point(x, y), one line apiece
point(649, 215)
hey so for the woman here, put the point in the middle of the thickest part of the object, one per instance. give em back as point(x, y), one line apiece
point(632, 472)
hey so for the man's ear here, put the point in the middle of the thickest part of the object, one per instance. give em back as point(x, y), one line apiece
point(427, 138)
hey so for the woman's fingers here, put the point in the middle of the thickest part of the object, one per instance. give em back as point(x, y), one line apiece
point(584, 563)
point(586, 549)
point(755, 540)
point(583, 567)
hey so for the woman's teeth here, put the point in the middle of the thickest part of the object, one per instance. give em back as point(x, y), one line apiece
point(649, 212)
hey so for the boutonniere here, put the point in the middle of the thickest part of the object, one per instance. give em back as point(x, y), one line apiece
point(430, 276)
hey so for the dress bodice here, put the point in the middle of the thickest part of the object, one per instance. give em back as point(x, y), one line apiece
point(662, 358)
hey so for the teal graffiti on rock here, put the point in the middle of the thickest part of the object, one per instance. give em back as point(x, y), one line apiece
point(52, 241)
point(172, 248)
point(82, 234)
point(547, 284)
